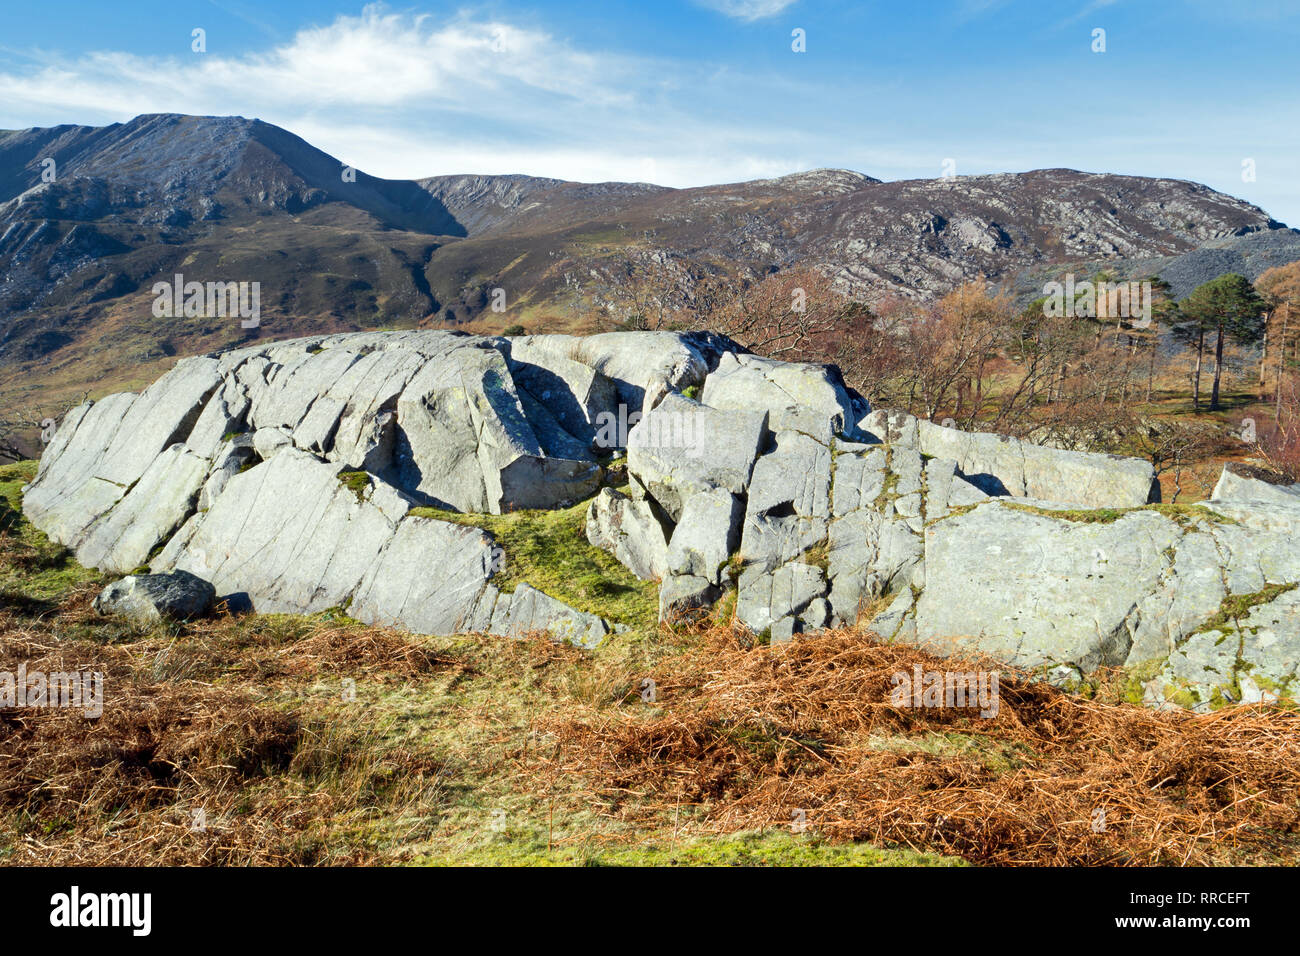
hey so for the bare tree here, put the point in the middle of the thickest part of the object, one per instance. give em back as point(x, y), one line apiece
point(23, 429)
point(784, 313)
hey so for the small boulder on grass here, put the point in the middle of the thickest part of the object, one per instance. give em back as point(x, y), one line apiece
point(145, 598)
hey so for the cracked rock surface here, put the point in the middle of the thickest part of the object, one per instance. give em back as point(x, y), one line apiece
point(309, 474)
point(285, 474)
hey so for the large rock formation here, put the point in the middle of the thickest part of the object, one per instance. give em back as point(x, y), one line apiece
point(292, 476)
point(1048, 559)
point(286, 474)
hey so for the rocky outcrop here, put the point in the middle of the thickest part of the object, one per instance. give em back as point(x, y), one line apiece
point(795, 396)
point(1052, 560)
point(309, 474)
point(1001, 465)
point(1240, 483)
point(285, 475)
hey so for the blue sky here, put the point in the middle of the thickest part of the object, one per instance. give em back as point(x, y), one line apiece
point(689, 92)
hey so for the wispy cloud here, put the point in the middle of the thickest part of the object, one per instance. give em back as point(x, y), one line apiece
point(748, 10)
point(403, 95)
point(379, 59)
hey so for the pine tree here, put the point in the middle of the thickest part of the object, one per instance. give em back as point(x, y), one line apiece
point(1226, 308)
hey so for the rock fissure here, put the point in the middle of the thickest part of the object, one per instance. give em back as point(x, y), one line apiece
point(768, 482)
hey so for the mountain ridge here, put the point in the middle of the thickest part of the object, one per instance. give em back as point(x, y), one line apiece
point(335, 249)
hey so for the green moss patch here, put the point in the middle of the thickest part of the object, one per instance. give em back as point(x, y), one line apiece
point(1234, 607)
point(548, 549)
point(355, 481)
point(1183, 514)
point(34, 571)
point(766, 848)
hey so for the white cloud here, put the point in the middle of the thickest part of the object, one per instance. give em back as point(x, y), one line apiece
point(379, 59)
point(748, 10)
point(404, 96)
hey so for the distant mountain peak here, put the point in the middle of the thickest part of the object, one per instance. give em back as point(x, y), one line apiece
point(229, 198)
point(823, 181)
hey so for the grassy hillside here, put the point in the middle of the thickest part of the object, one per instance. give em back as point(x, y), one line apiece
point(317, 740)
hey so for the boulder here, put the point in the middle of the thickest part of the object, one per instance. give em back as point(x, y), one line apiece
point(682, 447)
point(706, 535)
point(795, 395)
point(628, 528)
point(1241, 484)
point(147, 598)
point(288, 475)
point(682, 594)
point(1002, 466)
point(529, 610)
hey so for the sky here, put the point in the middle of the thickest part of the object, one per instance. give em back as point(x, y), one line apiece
point(693, 92)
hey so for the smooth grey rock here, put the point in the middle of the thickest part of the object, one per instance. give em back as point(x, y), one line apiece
point(782, 631)
point(765, 598)
point(1279, 517)
point(859, 479)
point(268, 442)
point(891, 426)
point(816, 615)
point(223, 414)
point(683, 447)
point(681, 594)
point(874, 546)
point(528, 609)
point(797, 473)
point(162, 415)
point(1000, 465)
point(228, 461)
point(288, 535)
point(1188, 590)
point(463, 423)
point(706, 535)
point(296, 383)
point(1230, 662)
point(1243, 488)
point(67, 494)
point(103, 449)
point(870, 556)
point(795, 395)
point(632, 361)
point(231, 464)
point(366, 434)
point(551, 434)
point(946, 489)
point(1037, 590)
point(629, 530)
point(427, 578)
point(1004, 466)
point(897, 622)
point(789, 502)
point(146, 598)
point(122, 539)
point(576, 395)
